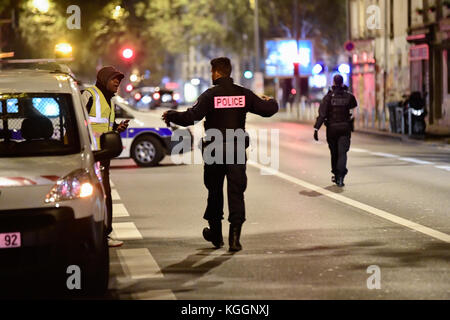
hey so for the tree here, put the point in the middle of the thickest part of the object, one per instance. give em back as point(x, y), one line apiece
point(321, 20)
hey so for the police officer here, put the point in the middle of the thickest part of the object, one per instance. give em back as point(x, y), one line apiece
point(336, 112)
point(97, 101)
point(225, 107)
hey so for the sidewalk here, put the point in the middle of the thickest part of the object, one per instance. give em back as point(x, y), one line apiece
point(436, 136)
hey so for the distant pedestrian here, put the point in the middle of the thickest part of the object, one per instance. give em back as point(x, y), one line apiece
point(336, 112)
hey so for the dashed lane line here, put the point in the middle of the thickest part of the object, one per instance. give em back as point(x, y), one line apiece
point(139, 264)
point(155, 295)
point(115, 195)
point(406, 159)
point(119, 210)
point(125, 231)
point(377, 212)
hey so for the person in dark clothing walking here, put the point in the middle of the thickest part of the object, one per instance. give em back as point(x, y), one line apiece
point(336, 112)
point(97, 101)
point(225, 107)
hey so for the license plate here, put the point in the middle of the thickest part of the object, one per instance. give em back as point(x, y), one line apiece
point(10, 240)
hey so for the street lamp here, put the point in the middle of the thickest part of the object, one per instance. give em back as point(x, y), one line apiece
point(41, 5)
point(63, 49)
point(117, 13)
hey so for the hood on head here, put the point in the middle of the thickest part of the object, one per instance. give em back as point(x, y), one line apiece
point(107, 73)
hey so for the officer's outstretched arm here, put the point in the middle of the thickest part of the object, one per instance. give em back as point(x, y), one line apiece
point(191, 115)
point(264, 108)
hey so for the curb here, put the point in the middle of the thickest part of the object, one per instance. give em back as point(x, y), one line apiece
point(384, 134)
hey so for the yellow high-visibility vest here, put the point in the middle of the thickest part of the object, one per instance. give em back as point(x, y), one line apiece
point(101, 115)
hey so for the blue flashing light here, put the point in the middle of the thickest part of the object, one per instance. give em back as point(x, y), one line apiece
point(317, 69)
point(344, 68)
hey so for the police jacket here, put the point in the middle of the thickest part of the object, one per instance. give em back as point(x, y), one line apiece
point(335, 108)
point(224, 106)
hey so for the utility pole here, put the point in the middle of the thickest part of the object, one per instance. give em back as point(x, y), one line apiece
point(349, 38)
point(297, 65)
point(258, 78)
point(386, 56)
point(256, 27)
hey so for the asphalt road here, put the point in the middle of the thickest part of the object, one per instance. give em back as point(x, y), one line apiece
point(303, 239)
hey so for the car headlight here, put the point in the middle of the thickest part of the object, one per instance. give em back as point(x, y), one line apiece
point(75, 185)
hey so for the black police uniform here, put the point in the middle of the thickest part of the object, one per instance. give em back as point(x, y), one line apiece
point(334, 111)
point(225, 107)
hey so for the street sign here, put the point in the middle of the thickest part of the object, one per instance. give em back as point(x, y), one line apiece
point(349, 46)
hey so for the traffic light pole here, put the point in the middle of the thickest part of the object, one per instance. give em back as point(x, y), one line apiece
point(349, 36)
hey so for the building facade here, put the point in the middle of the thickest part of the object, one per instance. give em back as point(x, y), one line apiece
point(195, 76)
point(400, 47)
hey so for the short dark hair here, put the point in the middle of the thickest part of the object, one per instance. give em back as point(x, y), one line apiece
point(222, 65)
point(338, 80)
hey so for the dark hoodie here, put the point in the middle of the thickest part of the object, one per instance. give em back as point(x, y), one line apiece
point(104, 75)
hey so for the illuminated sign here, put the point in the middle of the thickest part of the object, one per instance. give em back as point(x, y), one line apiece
point(281, 54)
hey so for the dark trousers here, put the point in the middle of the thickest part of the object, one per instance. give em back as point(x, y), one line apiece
point(214, 176)
point(338, 138)
point(107, 187)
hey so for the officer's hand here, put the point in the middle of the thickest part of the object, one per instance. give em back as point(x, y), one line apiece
point(123, 126)
point(316, 135)
point(165, 118)
point(265, 98)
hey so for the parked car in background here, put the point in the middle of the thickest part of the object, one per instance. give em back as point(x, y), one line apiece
point(145, 141)
point(153, 98)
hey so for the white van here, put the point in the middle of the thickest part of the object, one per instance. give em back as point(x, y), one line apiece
point(52, 202)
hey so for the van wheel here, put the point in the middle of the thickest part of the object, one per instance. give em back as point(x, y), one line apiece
point(98, 275)
point(147, 151)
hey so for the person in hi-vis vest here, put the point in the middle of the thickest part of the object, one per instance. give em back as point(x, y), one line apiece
point(97, 100)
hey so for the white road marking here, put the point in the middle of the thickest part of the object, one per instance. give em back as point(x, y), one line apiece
point(119, 210)
point(444, 167)
point(155, 295)
point(125, 231)
point(139, 264)
point(115, 194)
point(386, 155)
point(112, 184)
point(359, 150)
point(415, 161)
point(380, 213)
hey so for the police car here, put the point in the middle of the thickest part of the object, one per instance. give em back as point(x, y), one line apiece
point(145, 141)
point(52, 203)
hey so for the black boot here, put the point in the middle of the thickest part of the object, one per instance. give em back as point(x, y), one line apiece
point(340, 182)
point(233, 238)
point(214, 234)
point(333, 179)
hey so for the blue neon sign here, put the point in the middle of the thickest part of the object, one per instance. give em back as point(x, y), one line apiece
point(282, 53)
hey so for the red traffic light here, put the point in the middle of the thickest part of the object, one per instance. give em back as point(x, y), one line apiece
point(127, 53)
point(129, 87)
point(296, 68)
